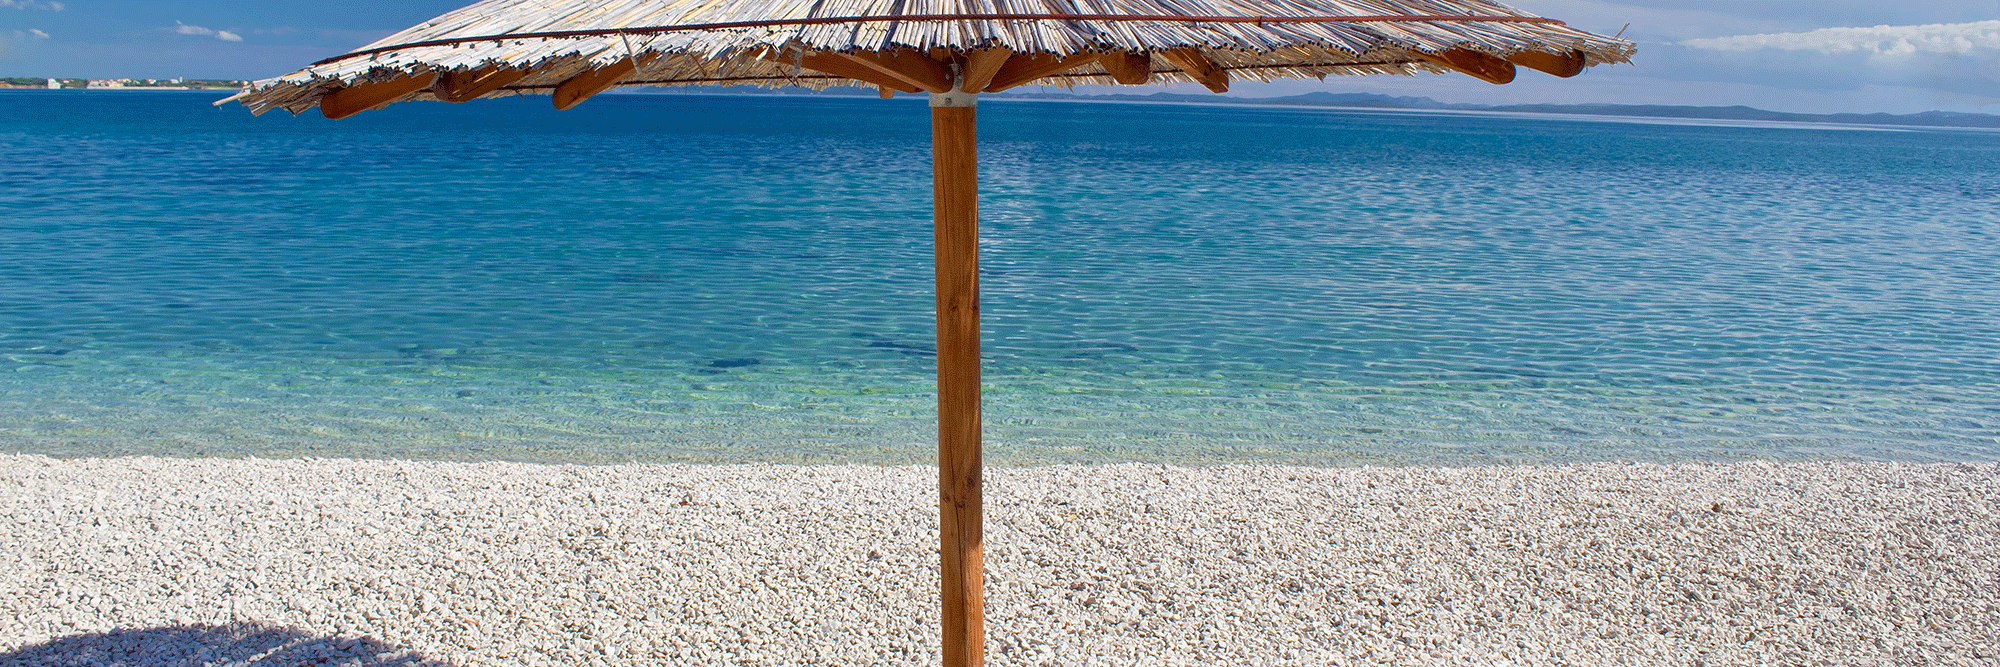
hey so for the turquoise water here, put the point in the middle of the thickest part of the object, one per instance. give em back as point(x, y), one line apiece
point(726, 278)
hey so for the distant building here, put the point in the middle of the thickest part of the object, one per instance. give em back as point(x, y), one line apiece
point(105, 83)
point(55, 85)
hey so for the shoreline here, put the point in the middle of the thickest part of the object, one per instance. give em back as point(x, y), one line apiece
point(523, 564)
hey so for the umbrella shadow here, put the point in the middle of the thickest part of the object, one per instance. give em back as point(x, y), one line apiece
point(245, 644)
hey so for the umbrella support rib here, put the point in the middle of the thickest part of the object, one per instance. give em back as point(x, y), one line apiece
point(955, 184)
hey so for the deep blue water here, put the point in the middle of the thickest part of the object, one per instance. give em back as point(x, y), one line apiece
point(733, 278)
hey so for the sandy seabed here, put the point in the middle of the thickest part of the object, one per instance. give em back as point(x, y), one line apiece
point(313, 561)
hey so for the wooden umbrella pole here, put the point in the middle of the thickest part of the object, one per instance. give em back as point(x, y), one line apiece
point(955, 184)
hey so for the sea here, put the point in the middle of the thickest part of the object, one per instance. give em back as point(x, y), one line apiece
point(723, 278)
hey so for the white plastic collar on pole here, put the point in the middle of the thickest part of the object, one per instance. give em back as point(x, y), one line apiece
point(955, 98)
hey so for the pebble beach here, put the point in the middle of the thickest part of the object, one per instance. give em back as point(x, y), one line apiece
point(361, 562)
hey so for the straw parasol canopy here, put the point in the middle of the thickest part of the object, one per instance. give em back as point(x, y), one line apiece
point(953, 50)
point(577, 48)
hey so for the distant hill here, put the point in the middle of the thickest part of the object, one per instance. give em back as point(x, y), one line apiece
point(1373, 101)
point(1927, 118)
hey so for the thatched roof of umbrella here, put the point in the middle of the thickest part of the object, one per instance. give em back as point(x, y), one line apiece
point(577, 48)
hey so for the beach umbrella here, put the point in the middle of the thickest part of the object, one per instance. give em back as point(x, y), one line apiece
point(952, 50)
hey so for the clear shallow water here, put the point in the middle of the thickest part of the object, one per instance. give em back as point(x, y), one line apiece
point(718, 278)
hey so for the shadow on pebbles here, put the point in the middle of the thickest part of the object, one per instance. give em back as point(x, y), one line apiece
point(239, 644)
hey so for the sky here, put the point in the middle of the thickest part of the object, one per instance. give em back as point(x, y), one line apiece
point(1788, 55)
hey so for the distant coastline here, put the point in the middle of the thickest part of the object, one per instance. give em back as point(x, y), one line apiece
point(130, 89)
point(59, 83)
point(1315, 99)
point(1375, 101)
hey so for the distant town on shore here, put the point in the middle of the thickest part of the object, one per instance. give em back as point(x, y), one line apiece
point(169, 84)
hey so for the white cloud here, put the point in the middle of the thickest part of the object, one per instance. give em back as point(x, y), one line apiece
point(31, 4)
point(1675, 21)
point(38, 33)
point(1893, 40)
point(223, 35)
